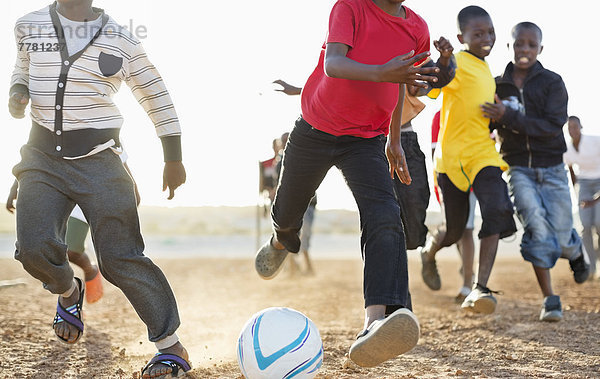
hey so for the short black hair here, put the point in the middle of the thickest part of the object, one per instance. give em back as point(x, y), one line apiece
point(575, 118)
point(526, 25)
point(467, 14)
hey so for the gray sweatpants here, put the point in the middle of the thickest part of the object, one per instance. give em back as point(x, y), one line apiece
point(49, 187)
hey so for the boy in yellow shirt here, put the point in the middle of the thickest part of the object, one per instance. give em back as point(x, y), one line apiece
point(466, 158)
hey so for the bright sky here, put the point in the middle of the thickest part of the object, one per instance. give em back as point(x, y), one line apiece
point(218, 59)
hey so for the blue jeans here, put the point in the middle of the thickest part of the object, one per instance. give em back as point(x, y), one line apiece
point(543, 202)
point(590, 218)
point(309, 154)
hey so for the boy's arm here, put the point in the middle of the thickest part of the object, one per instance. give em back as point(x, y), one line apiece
point(394, 151)
point(19, 83)
point(447, 68)
point(398, 70)
point(555, 114)
point(573, 176)
point(446, 73)
point(150, 91)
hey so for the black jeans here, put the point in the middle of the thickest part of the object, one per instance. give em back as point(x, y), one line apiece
point(309, 154)
point(414, 198)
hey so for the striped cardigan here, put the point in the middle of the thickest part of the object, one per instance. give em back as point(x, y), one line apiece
point(72, 109)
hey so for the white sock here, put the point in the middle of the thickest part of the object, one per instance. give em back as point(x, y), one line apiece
point(70, 291)
point(465, 291)
point(167, 342)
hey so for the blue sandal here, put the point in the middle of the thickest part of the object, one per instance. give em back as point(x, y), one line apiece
point(170, 360)
point(71, 315)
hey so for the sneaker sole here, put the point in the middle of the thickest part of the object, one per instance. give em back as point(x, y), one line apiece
point(398, 334)
point(551, 317)
point(484, 306)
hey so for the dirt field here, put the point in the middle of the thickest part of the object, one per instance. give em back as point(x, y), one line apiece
point(216, 297)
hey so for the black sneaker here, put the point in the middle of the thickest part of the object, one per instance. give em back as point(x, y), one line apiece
point(580, 268)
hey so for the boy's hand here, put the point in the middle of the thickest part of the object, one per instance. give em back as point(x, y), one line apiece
point(287, 88)
point(412, 90)
point(17, 102)
point(138, 199)
point(582, 204)
point(446, 50)
point(588, 203)
point(494, 111)
point(10, 202)
point(401, 69)
point(397, 162)
point(173, 177)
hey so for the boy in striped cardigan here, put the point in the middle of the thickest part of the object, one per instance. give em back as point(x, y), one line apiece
point(71, 59)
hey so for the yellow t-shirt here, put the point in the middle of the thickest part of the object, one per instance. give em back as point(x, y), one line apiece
point(464, 143)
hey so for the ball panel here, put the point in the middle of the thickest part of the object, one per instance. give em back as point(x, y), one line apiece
point(279, 343)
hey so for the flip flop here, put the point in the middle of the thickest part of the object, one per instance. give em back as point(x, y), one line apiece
point(179, 365)
point(71, 315)
point(94, 289)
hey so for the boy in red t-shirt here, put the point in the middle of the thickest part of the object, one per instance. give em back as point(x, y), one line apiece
point(349, 104)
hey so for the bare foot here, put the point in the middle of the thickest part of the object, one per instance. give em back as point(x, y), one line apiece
point(93, 286)
point(91, 273)
point(159, 370)
point(63, 329)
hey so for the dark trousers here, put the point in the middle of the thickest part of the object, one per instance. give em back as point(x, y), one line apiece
point(414, 198)
point(495, 205)
point(309, 154)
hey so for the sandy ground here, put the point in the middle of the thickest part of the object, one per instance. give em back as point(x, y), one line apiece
point(216, 297)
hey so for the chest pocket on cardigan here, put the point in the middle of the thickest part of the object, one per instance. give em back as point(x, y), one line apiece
point(109, 64)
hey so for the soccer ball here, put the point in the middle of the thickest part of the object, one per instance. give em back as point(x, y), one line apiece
point(279, 343)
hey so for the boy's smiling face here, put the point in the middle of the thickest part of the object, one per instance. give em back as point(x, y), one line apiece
point(527, 45)
point(479, 36)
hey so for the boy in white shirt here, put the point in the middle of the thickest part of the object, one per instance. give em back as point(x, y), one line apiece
point(583, 153)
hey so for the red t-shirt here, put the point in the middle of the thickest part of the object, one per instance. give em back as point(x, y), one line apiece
point(361, 108)
point(435, 129)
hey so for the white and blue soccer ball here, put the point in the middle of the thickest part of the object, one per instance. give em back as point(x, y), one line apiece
point(279, 343)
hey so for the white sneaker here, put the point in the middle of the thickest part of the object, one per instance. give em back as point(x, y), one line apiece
point(480, 300)
point(386, 339)
point(462, 295)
